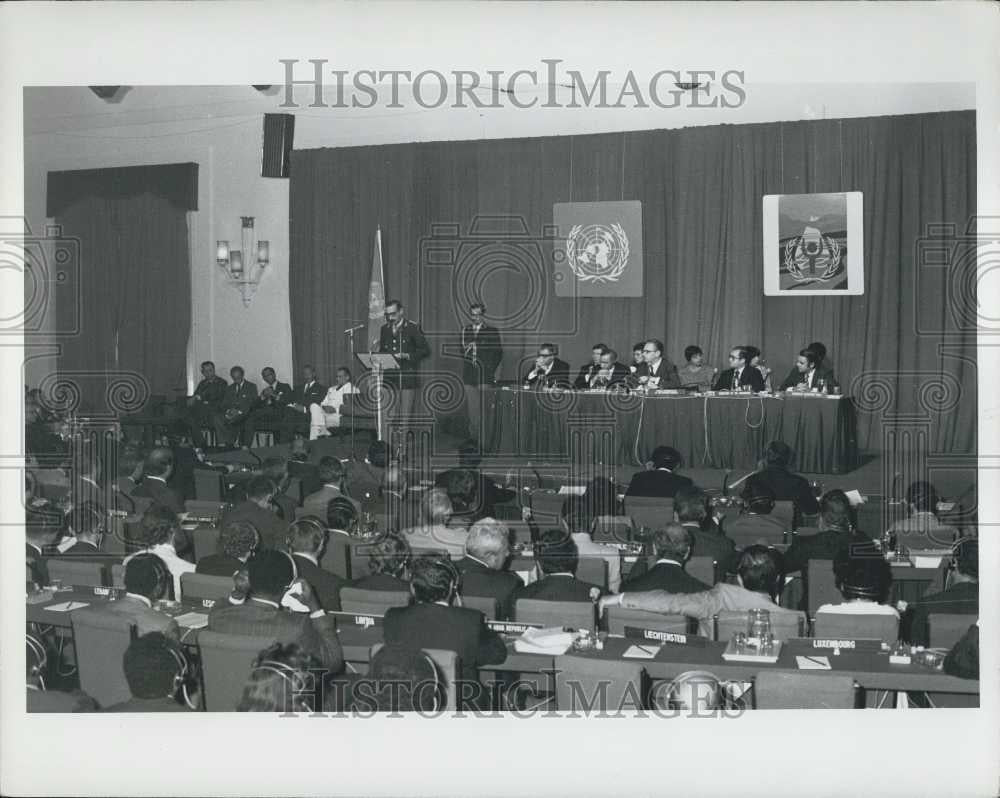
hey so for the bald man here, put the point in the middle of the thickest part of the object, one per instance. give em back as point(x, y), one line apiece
point(156, 470)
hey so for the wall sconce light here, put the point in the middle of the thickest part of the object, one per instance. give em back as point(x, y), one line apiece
point(245, 279)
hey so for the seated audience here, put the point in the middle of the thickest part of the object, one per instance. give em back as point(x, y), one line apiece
point(156, 670)
point(577, 521)
point(389, 566)
point(659, 479)
point(396, 504)
point(39, 697)
point(159, 530)
point(157, 470)
point(367, 476)
point(487, 549)
point(307, 539)
point(332, 475)
point(922, 529)
point(463, 493)
point(695, 373)
point(84, 532)
point(786, 485)
point(433, 622)
point(756, 524)
point(276, 469)
point(280, 681)
point(557, 558)
point(237, 543)
point(147, 580)
point(758, 581)
point(259, 510)
point(692, 507)
point(963, 659)
point(961, 597)
point(485, 495)
point(271, 575)
point(673, 544)
point(836, 532)
point(434, 533)
point(342, 516)
point(864, 583)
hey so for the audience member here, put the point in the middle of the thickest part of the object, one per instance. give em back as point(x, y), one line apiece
point(156, 670)
point(577, 522)
point(692, 507)
point(159, 531)
point(487, 549)
point(39, 698)
point(368, 475)
point(156, 472)
point(259, 510)
point(864, 583)
point(341, 516)
point(557, 557)
point(922, 529)
point(307, 539)
point(963, 659)
point(659, 479)
point(147, 580)
point(786, 485)
point(84, 531)
point(484, 495)
point(961, 597)
point(389, 566)
point(673, 544)
point(280, 681)
point(331, 474)
point(401, 678)
point(756, 524)
point(276, 469)
point(434, 533)
point(237, 543)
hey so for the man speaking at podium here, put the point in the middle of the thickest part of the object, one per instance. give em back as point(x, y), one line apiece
point(403, 338)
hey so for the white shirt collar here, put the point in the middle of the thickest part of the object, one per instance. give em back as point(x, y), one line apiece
point(561, 573)
point(141, 599)
point(476, 559)
point(161, 479)
point(331, 485)
point(36, 548)
point(668, 561)
point(268, 602)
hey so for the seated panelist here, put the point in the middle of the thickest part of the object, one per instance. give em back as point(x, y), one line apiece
point(588, 371)
point(808, 374)
point(549, 371)
point(239, 399)
point(655, 371)
point(740, 375)
point(612, 373)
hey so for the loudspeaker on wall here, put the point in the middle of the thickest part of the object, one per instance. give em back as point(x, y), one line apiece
point(276, 156)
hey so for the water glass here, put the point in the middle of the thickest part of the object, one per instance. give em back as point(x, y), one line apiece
point(758, 624)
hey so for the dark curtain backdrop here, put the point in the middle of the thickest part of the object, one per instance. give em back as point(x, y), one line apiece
point(132, 281)
point(463, 220)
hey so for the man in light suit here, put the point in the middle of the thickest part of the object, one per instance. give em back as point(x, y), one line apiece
point(239, 399)
point(146, 582)
point(331, 473)
point(655, 371)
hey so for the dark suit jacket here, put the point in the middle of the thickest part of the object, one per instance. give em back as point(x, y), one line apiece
point(242, 398)
point(325, 585)
point(789, 487)
point(316, 636)
point(488, 494)
point(749, 376)
point(481, 580)
point(558, 376)
point(795, 377)
point(380, 582)
point(218, 565)
point(587, 371)
point(620, 375)
point(83, 549)
point(666, 371)
point(665, 576)
point(713, 543)
point(37, 562)
point(960, 599)
point(657, 483)
point(272, 529)
point(410, 340)
point(746, 529)
point(555, 588)
point(211, 391)
point(457, 629)
point(820, 546)
point(314, 394)
point(308, 475)
point(182, 478)
point(161, 493)
point(281, 394)
point(489, 353)
point(363, 477)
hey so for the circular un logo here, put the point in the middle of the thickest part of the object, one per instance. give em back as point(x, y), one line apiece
point(812, 256)
point(597, 253)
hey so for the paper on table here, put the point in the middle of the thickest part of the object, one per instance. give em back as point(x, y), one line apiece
point(854, 497)
point(68, 606)
point(573, 490)
point(642, 652)
point(192, 620)
point(813, 663)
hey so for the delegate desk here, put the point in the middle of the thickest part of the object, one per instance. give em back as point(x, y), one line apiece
point(709, 431)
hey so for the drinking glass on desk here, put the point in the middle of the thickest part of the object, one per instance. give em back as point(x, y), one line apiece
point(759, 625)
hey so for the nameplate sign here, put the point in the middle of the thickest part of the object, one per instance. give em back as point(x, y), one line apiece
point(364, 620)
point(511, 628)
point(209, 603)
point(112, 593)
point(840, 644)
point(674, 638)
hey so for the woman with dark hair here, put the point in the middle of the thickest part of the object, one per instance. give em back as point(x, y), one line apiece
point(280, 681)
point(389, 566)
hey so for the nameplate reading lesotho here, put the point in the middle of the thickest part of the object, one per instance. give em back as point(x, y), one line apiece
point(674, 638)
point(511, 628)
point(364, 620)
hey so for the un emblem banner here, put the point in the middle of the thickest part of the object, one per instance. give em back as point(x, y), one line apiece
point(598, 248)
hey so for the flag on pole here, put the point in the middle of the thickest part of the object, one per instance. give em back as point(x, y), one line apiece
point(376, 291)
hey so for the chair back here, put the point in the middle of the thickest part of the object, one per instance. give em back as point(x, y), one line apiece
point(572, 614)
point(204, 509)
point(611, 529)
point(448, 668)
point(487, 605)
point(945, 628)
point(202, 586)
point(789, 690)
point(834, 625)
point(100, 641)
point(371, 602)
point(784, 511)
point(118, 575)
point(703, 569)
point(620, 617)
point(821, 586)
point(225, 666)
point(337, 557)
point(784, 624)
point(78, 571)
point(114, 540)
point(649, 511)
point(208, 485)
point(593, 570)
point(206, 541)
point(585, 684)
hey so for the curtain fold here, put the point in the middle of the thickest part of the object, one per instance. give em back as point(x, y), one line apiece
point(448, 213)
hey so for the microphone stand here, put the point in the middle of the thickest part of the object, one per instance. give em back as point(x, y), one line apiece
point(354, 408)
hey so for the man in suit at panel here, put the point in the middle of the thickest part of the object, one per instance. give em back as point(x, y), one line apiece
point(403, 338)
point(307, 393)
point(549, 371)
point(271, 574)
point(204, 402)
point(486, 552)
point(156, 472)
point(482, 352)
point(239, 399)
point(258, 509)
point(808, 373)
point(786, 485)
point(146, 582)
point(588, 371)
point(659, 479)
point(740, 375)
point(307, 538)
point(693, 511)
point(557, 557)
point(655, 371)
point(611, 373)
point(433, 622)
point(673, 546)
point(270, 408)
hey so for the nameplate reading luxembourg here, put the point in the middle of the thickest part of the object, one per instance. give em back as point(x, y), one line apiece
point(838, 644)
point(511, 628)
point(674, 638)
point(364, 620)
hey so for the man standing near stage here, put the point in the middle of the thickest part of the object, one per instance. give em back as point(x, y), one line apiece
point(403, 338)
point(481, 355)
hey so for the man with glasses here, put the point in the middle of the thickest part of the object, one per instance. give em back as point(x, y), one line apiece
point(403, 338)
point(740, 375)
point(655, 371)
point(549, 371)
point(481, 355)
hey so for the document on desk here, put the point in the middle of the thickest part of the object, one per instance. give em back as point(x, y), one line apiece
point(68, 606)
point(813, 663)
point(645, 651)
point(192, 620)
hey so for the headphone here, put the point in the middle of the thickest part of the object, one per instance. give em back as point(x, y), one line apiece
point(307, 520)
point(438, 686)
point(38, 651)
point(695, 678)
point(180, 678)
point(290, 676)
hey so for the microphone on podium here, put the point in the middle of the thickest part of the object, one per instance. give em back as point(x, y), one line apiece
point(354, 329)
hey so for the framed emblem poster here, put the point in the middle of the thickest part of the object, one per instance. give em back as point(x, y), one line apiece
point(598, 249)
point(813, 244)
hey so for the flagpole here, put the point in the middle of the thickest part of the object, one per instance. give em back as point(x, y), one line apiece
point(378, 371)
